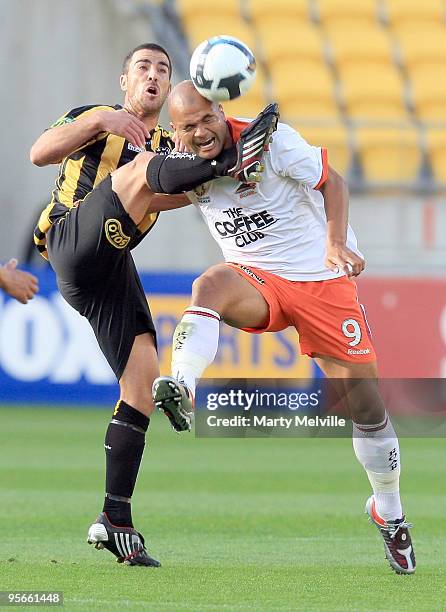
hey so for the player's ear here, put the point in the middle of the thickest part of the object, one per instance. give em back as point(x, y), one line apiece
point(123, 82)
point(220, 108)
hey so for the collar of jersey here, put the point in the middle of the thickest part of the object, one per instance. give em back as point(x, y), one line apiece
point(235, 126)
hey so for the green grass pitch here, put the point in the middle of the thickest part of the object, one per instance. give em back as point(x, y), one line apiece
point(248, 524)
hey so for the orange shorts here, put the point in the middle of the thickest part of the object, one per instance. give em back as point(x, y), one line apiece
point(326, 314)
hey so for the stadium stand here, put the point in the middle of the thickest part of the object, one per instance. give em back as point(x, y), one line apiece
point(260, 12)
point(389, 155)
point(370, 43)
point(399, 13)
point(372, 91)
point(191, 10)
point(429, 93)
point(333, 12)
point(335, 137)
point(422, 44)
point(307, 94)
point(361, 77)
point(436, 142)
point(278, 41)
point(207, 26)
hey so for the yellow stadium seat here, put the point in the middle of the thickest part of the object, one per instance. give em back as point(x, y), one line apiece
point(424, 44)
point(333, 136)
point(261, 11)
point(401, 12)
point(250, 104)
point(436, 144)
point(198, 30)
point(314, 107)
point(304, 89)
point(360, 11)
point(370, 43)
point(195, 9)
point(372, 91)
point(280, 39)
point(429, 92)
point(389, 155)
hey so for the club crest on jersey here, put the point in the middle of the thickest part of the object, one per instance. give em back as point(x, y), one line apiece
point(201, 193)
point(115, 234)
point(246, 189)
point(163, 150)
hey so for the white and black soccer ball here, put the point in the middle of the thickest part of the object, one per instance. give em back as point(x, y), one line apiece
point(222, 68)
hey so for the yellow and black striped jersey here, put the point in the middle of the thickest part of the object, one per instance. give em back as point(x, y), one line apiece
point(86, 167)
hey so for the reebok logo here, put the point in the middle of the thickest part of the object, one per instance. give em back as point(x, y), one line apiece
point(358, 351)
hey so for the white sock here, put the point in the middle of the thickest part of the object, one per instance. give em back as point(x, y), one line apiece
point(377, 449)
point(195, 344)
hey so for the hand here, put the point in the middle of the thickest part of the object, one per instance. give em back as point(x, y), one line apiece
point(339, 257)
point(121, 123)
point(179, 144)
point(18, 284)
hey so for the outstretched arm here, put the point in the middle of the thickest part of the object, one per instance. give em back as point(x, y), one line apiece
point(58, 142)
point(161, 202)
point(18, 284)
point(338, 256)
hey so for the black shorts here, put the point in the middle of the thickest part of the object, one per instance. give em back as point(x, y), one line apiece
point(89, 249)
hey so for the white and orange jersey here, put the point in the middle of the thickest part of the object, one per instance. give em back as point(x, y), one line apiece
point(279, 224)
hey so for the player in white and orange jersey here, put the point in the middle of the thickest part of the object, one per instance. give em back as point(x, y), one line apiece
point(290, 258)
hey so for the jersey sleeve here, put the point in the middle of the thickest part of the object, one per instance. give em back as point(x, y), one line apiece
point(77, 113)
point(293, 157)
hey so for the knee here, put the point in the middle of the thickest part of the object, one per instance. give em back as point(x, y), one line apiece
point(211, 289)
point(366, 404)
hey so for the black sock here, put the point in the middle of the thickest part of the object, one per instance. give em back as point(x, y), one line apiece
point(124, 446)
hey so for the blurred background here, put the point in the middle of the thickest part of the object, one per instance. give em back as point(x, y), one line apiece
point(362, 77)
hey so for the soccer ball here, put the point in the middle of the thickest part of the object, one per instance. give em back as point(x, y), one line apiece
point(222, 68)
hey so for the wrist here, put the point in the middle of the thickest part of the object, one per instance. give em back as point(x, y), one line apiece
point(95, 122)
point(336, 242)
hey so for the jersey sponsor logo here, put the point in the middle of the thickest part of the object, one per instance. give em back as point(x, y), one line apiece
point(244, 229)
point(115, 234)
point(246, 189)
point(132, 147)
point(252, 274)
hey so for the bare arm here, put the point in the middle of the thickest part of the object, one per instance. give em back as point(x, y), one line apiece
point(18, 284)
point(58, 142)
point(161, 202)
point(338, 256)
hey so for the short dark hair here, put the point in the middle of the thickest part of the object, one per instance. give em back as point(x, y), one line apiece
point(150, 47)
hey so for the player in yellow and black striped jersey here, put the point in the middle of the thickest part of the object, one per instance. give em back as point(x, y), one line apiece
point(85, 168)
point(106, 199)
point(86, 233)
